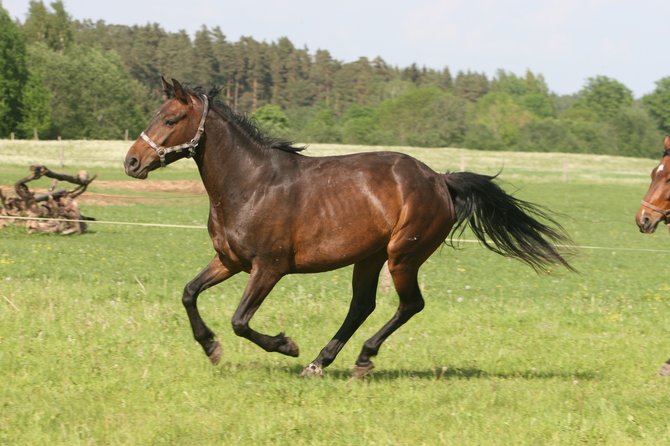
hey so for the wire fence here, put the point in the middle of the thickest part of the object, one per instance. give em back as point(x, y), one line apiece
point(201, 227)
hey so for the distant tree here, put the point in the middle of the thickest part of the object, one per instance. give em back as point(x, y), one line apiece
point(323, 127)
point(412, 74)
point(657, 104)
point(471, 85)
point(92, 95)
point(548, 135)
point(500, 119)
point(175, 58)
point(592, 136)
point(136, 46)
point(322, 75)
point(254, 80)
point(36, 107)
point(355, 83)
point(531, 92)
point(382, 70)
point(424, 116)
point(604, 96)
point(360, 126)
point(635, 133)
point(283, 70)
point(51, 28)
point(272, 119)
point(204, 63)
point(13, 73)
point(540, 104)
point(224, 53)
point(508, 83)
point(444, 79)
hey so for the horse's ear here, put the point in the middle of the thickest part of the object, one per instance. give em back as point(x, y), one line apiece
point(167, 88)
point(666, 142)
point(179, 92)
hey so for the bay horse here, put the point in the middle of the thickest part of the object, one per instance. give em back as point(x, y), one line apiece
point(273, 212)
point(655, 207)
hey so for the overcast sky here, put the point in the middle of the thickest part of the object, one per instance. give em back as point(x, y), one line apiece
point(567, 41)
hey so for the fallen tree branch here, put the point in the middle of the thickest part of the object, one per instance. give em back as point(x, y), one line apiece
point(54, 204)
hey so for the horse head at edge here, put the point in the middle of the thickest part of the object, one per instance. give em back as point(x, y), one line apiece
point(655, 206)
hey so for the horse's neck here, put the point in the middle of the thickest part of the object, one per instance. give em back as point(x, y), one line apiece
point(231, 165)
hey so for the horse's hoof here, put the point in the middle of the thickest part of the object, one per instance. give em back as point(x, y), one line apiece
point(311, 371)
point(216, 353)
point(361, 371)
point(665, 370)
point(289, 348)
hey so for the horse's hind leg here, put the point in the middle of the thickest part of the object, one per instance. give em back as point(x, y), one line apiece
point(364, 284)
point(411, 302)
point(211, 275)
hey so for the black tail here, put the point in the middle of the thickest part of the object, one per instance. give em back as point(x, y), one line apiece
point(511, 224)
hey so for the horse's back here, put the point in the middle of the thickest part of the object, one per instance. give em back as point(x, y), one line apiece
point(353, 206)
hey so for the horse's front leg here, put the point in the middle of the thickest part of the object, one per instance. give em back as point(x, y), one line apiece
point(261, 282)
point(364, 284)
point(211, 275)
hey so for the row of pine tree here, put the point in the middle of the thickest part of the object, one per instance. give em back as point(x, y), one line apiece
point(66, 78)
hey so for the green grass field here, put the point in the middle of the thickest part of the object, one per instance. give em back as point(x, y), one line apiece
point(96, 349)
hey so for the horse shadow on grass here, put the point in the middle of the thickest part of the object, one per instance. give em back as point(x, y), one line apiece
point(450, 373)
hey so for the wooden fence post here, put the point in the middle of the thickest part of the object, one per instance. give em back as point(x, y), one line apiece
point(61, 155)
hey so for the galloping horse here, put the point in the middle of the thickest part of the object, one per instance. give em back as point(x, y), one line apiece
point(274, 212)
point(655, 207)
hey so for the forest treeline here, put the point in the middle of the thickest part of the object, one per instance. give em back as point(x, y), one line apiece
point(73, 79)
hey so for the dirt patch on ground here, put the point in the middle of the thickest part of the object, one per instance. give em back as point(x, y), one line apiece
point(174, 186)
point(176, 189)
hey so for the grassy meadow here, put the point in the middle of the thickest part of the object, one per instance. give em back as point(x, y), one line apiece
point(96, 349)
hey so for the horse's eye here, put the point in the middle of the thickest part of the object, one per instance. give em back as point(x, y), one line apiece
point(170, 122)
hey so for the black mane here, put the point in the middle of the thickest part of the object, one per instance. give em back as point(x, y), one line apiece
point(246, 124)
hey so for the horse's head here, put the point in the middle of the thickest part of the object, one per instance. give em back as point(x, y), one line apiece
point(656, 204)
point(173, 133)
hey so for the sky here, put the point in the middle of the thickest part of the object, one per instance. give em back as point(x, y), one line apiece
point(567, 41)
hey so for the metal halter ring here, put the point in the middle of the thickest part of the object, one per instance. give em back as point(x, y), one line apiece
point(191, 145)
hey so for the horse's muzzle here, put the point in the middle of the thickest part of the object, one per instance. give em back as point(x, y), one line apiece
point(134, 167)
point(647, 221)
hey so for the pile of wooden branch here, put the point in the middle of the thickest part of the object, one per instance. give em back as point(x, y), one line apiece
point(54, 211)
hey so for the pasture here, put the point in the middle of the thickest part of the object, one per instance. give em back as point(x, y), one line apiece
point(95, 346)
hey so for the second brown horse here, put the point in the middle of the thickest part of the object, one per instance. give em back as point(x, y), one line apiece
point(275, 212)
point(655, 207)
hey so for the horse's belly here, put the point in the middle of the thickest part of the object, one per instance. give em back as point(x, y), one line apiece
point(332, 245)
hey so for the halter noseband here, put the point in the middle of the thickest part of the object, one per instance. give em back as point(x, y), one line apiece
point(664, 212)
point(191, 145)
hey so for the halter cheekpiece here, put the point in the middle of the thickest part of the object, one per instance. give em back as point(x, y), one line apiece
point(191, 145)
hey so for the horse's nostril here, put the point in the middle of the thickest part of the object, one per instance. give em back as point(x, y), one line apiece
point(132, 164)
